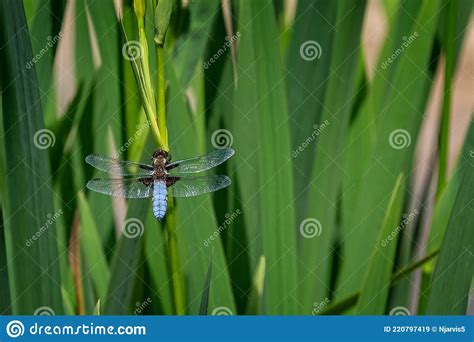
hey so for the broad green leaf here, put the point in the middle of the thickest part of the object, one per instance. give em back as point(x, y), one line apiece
point(126, 259)
point(235, 235)
point(157, 262)
point(195, 218)
point(449, 289)
point(190, 47)
point(45, 34)
point(261, 135)
point(203, 308)
point(92, 250)
point(445, 203)
point(318, 228)
point(376, 285)
point(62, 130)
point(27, 198)
point(464, 11)
point(307, 76)
point(450, 13)
point(134, 115)
point(97, 308)
point(363, 131)
point(4, 287)
point(255, 303)
point(398, 121)
point(68, 305)
point(62, 238)
point(347, 303)
point(126, 256)
point(96, 22)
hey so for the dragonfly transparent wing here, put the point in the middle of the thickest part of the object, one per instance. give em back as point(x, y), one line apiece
point(201, 163)
point(118, 167)
point(188, 186)
point(126, 188)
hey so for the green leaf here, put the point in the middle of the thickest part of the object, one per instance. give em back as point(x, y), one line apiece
point(350, 301)
point(27, 198)
point(449, 66)
point(316, 249)
point(162, 20)
point(449, 293)
point(190, 47)
point(62, 130)
point(156, 259)
point(255, 303)
point(262, 142)
point(306, 87)
point(68, 306)
point(127, 253)
point(203, 308)
point(376, 285)
point(45, 34)
point(4, 288)
point(445, 203)
point(97, 309)
point(92, 250)
point(195, 218)
point(100, 18)
point(398, 120)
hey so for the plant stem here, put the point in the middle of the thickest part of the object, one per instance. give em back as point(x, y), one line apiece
point(161, 88)
point(142, 74)
point(443, 139)
point(175, 271)
point(173, 253)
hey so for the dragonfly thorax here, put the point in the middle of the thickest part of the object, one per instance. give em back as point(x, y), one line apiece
point(160, 159)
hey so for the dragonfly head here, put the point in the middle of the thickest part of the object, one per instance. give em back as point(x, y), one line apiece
point(160, 157)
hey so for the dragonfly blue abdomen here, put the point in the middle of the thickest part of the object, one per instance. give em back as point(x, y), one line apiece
point(159, 199)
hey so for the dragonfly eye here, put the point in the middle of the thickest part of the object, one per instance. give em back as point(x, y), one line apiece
point(160, 153)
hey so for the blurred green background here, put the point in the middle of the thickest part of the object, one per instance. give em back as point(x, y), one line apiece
point(352, 180)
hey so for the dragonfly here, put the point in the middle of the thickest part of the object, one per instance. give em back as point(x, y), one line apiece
point(160, 179)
